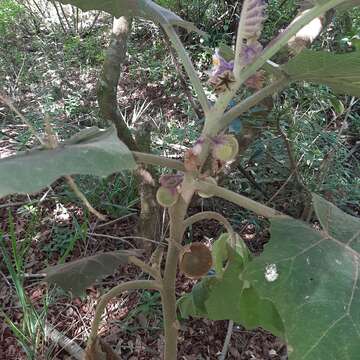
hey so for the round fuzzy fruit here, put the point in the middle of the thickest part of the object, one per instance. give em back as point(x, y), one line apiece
point(166, 197)
point(209, 180)
point(226, 149)
point(196, 260)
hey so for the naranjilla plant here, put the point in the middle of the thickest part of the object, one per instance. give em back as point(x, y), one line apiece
point(305, 287)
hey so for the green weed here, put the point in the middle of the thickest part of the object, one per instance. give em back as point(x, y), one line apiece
point(29, 330)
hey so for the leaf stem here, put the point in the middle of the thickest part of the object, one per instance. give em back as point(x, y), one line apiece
point(253, 100)
point(116, 291)
point(152, 159)
point(145, 267)
point(189, 67)
point(238, 199)
point(211, 215)
point(83, 198)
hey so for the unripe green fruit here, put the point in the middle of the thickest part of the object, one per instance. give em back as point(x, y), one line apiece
point(196, 260)
point(209, 180)
point(166, 197)
point(227, 149)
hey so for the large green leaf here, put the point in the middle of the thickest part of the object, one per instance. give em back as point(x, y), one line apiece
point(143, 8)
point(339, 71)
point(76, 276)
point(101, 154)
point(227, 296)
point(312, 277)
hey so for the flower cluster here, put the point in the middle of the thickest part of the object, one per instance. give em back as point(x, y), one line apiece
point(250, 27)
point(221, 75)
point(220, 65)
point(253, 18)
point(250, 51)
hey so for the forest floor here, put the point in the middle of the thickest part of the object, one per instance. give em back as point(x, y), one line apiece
point(132, 324)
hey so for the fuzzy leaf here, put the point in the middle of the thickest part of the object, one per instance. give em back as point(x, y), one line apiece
point(142, 8)
point(76, 276)
point(314, 283)
point(230, 298)
point(31, 171)
point(341, 72)
point(220, 253)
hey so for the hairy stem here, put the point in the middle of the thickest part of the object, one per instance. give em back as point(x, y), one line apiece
point(83, 198)
point(253, 100)
point(151, 159)
point(177, 214)
point(145, 267)
point(189, 67)
point(116, 291)
point(238, 199)
point(211, 215)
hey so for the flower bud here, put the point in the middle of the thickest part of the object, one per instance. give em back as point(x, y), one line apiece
point(167, 197)
point(209, 180)
point(225, 148)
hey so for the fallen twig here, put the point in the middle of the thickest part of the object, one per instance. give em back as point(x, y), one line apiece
point(67, 344)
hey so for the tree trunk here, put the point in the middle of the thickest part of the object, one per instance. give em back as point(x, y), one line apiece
point(149, 220)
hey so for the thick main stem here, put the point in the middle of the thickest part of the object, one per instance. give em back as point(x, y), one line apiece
point(177, 215)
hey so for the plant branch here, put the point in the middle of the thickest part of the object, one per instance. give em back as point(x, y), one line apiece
point(83, 198)
point(145, 267)
point(253, 100)
point(177, 214)
point(64, 342)
point(238, 199)
point(227, 340)
point(152, 159)
point(116, 291)
point(182, 80)
point(109, 78)
point(211, 215)
point(189, 67)
point(8, 102)
point(274, 46)
point(271, 49)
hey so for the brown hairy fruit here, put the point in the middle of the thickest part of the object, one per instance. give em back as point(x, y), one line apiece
point(196, 260)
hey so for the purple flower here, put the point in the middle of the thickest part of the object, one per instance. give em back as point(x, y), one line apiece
point(171, 181)
point(250, 51)
point(197, 148)
point(220, 65)
point(254, 16)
